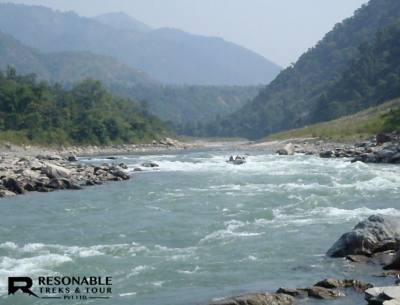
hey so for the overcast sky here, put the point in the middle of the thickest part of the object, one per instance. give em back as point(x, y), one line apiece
point(281, 30)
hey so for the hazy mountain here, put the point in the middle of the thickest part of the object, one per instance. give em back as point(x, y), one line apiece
point(66, 67)
point(179, 104)
point(168, 55)
point(26, 60)
point(293, 99)
point(124, 22)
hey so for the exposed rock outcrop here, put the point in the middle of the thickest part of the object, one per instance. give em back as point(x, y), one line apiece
point(395, 263)
point(383, 295)
point(46, 173)
point(376, 234)
point(287, 150)
point(150, 164)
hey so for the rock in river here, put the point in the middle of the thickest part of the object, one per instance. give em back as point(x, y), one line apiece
point(395, 264)
point(150, 164)
point(376, 234)
point(288, 150)
point(383, 295)
point(258, 299)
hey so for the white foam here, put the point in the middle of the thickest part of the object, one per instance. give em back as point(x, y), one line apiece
point(76, 251)
point(195, 270)
point(230, 232)
point(128, 294)
point(334, 215)
point(34, 266)
point(138, 270)
point(158, 283)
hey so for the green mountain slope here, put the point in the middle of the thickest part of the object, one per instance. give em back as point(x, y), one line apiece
point(291, 100)
point(372, 78)
point(168, 55)
point(364, 124)
point(32, 111)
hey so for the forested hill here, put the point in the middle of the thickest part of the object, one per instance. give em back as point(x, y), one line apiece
point(371, 79)
point(292, 99)
point(170, 56)
point(36, 112)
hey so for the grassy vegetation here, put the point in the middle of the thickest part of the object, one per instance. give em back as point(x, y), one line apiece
point(361, 125)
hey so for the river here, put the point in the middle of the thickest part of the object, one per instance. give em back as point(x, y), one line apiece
point(197, 228)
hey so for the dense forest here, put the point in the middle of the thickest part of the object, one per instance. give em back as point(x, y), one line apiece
point(297, 97)
point(34, 111)
point(371, 79)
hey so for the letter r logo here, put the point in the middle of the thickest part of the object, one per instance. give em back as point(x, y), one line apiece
point(20, 283)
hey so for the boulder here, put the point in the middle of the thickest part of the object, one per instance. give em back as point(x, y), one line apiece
point(330, 283)
point(383, 258)
point(13, 185)
point(395, 159)
point(356, 285)
point(287, 150)
point(6, 193)
point(395, 264)
point(72, 158)
point(391, 302)
point(326, 154)
point(258, 299)
point(292, 292)
point(168, 142)
point(35, 165)
point(49, 157)
point(323, 293)
point(380, 295)
point(123, 166)
point(55, 171)
point(56, 184)
point(150, 164)
point(385, 155)
point(376, 234)
point(383, 138)
point(119, 173)
point(358, 258)
point(346, 283)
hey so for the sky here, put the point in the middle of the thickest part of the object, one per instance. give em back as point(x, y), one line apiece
point(280, 30)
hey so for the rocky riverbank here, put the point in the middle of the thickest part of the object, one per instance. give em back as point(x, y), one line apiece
point(376, 239)
point(36, 169)
point(384, 148)
point(47, 173)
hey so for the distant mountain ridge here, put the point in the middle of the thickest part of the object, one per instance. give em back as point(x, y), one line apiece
point(167, 55)
point(123, 22)
point(66, 67)
point(178, 104)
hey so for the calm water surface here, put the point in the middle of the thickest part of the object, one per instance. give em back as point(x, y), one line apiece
point(198, 228)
